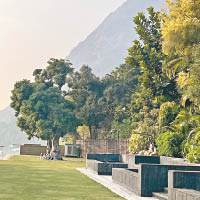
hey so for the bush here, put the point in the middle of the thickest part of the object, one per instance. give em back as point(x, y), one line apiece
point(170, 144)
point(167, 114)
point(137, 143)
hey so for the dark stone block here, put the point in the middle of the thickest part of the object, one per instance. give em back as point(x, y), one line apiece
point(148, 178)
point(146, 159)
point(104, 168)
point(184, 179)
point(155, 177)
point(105, 157)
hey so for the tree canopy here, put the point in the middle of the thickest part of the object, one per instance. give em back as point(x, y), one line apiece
point(153, 98)
point(42, 110)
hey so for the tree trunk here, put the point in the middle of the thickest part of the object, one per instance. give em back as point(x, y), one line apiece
point(95, 133)
point(55, 151)
point(49, 146)
point(90, 129)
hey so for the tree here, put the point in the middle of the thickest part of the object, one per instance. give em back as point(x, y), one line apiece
point(181, 37)
point(84, 132)
point(22, 91)
point(181, 26)
point(85, 91)
point(118, 87)
point(42, 110)
point(55, 73)
point(154, 86)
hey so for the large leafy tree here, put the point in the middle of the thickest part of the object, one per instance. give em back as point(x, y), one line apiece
point(155, 87)
point(55, 73)
point(85, 91)
point(118, 87)
point(181, 37)
point(42, 110)
point(146, 54)
point(181, 27)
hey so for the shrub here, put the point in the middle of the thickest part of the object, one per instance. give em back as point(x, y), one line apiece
point(167, 113)
point(137, 143)
point(170, 144)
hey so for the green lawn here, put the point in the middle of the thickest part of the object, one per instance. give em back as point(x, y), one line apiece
point(28, 178)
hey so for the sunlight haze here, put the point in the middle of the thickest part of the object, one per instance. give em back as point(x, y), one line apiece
point(32, 31)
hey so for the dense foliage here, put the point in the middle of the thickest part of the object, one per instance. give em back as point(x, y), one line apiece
point(153, 98)
point(42, 110)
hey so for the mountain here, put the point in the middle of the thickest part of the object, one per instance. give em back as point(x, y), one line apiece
point(106, 47)
point(9, 132)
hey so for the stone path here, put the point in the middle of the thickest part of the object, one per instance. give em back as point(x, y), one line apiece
point(107, 182)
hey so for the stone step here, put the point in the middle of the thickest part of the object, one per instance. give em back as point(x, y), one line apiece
point(160, 195)
point(166, 190)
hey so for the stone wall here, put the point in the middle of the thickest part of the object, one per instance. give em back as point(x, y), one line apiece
point(183, 179)
point(189, 181)
point(173, 161)
point(103, 146)
point(184, 194)
point(154, 178)
point(105, 157)
point(133, 160)
point(36, 149)
point(103, 168)
point(148, 178)
point(127, 178)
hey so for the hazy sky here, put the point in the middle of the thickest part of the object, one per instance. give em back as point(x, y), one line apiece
point(32, 31)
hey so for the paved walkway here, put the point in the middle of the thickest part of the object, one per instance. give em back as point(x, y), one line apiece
point(107, 182)
point(6, 157)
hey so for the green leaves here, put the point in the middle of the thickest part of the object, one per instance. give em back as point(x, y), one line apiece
point(22, 91)
point(41, 107)
point(170, 144)
point(55, 73)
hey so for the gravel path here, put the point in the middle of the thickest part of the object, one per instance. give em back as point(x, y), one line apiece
point(114, 187)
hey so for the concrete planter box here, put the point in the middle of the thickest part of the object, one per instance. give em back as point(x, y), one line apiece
point(105, 157)
point(149, 178)
point(104, 168)
point(184, 185)
point(133, 160)
point(127, 178)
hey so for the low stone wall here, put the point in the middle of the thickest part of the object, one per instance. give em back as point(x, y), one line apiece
point(183, 179)
point(163, 160)
point(36, 149)
point(150, 177)
point(92, 165)
point(184, 194)
point(155, 177)
point(103, 168)
point(128, 179)
point(103, 146)
point(173, 161)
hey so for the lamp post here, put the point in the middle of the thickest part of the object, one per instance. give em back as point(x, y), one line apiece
point(115, 131)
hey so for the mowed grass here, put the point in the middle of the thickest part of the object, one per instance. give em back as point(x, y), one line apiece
point(28, 178)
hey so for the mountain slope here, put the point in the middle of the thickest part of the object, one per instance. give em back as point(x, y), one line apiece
point(9, 132)
point(106, 47)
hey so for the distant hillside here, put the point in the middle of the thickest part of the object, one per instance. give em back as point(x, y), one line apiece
point(106, 47)
point(9, 132)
